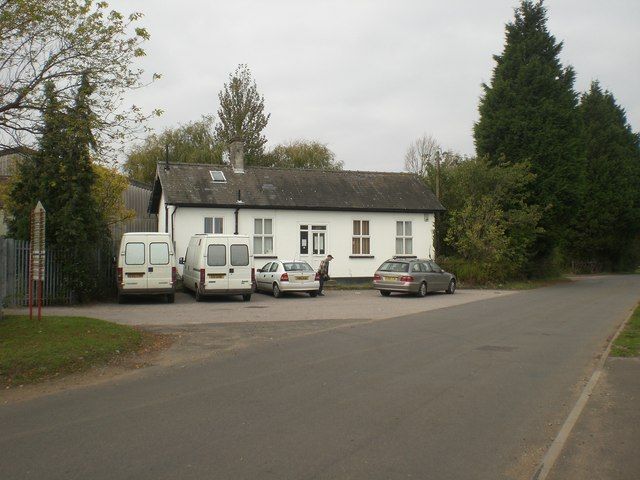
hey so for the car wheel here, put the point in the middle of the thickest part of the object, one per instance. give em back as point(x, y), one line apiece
point(452, 287)
point(246, 297)
point(276, 291)
point(313, 294)
point(171, 298)
point(422, 291)
point(385, 293)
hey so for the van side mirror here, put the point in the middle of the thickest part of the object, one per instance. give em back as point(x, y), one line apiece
point(181, 260)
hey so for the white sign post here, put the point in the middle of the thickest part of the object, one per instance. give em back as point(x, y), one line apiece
point(37, 257)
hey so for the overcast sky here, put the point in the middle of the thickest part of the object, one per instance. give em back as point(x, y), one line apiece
point(368, 77)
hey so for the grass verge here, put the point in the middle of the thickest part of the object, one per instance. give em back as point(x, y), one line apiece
point(628, 342)
point(32, 350)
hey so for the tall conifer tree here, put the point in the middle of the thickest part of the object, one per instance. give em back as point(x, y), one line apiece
point(610, 215)
point(61, 176)
point(528, 113)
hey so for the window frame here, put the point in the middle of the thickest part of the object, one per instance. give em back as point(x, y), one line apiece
point(224, 178)
point(213, 225)
point(404, 237)
point(262, 236)
point(360, 237)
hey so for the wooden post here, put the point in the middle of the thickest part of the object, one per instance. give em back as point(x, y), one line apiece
point(37, 257)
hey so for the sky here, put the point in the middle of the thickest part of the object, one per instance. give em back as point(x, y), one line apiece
point(367, 78)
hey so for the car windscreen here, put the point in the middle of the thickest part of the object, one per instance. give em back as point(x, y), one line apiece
point(297, 267)
point(394, 267)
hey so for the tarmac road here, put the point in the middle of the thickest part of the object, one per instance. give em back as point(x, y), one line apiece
point(474, 391)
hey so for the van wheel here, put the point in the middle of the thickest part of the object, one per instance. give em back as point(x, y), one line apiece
point(121, 298)
point(171, 298)
point(452, 287)
point(313, 294)
point(422, 291)
point(276, 291)
point(198, 295)
point(246, 297)
point(385, 293)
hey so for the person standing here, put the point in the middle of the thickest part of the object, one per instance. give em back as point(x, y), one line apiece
point(323, 271)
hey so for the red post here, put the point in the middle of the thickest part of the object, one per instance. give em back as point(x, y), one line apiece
point(30, 286)
point(39, 299)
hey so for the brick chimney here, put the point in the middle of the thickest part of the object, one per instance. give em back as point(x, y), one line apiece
point(236, 156)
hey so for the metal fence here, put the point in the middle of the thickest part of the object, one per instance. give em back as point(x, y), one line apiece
point(14, 274)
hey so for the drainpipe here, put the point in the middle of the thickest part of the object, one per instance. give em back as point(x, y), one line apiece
point(166, 218)
point(238, 202)
point(175, 207)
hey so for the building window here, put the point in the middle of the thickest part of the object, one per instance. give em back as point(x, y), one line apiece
point(263, 236)
point(217, 176)
point(361, 241)
point(213, 224)
point(404, 238)
point(316, 235)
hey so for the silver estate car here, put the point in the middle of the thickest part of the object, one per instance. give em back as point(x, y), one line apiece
point(279, 277)
point(416, 276)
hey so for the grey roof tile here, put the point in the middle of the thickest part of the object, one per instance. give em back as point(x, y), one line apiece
point(191, 185)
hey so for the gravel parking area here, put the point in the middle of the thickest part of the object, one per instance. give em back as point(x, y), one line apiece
point(335, 305)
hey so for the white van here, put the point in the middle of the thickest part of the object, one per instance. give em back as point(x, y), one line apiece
point(146, 265)
point(218, 265)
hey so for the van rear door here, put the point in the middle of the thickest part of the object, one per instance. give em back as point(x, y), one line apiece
point(239, 266)
point(134, 263)
point(159, 264)
point(217, 264)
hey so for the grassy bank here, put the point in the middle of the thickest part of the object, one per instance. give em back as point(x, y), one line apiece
point(32, 350)
point(628, 342)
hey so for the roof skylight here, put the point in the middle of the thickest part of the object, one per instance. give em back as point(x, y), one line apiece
point(218, 176)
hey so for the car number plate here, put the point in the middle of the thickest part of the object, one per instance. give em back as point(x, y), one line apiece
point(390, 279)
point(302, 278)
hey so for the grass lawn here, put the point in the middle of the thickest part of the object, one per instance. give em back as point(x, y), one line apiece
point(628, 342)
point(31, 351)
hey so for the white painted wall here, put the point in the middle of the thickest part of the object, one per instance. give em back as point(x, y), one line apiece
point(286, 227)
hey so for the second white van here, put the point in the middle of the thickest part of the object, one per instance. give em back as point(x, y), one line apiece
point(218, 265)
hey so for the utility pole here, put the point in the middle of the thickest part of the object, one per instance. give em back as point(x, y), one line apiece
point(438, 155)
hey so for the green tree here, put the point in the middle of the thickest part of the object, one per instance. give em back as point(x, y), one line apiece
point(62, 177)
point(55, 42)
point(609, 220)
point(241, 115)
point(193, 142)
point(528, 114)
point(302, 154)
point(490, 223)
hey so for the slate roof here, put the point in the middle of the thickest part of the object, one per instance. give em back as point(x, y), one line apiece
point(191, 185)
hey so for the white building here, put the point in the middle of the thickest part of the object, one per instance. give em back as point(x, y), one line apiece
point(361, 218)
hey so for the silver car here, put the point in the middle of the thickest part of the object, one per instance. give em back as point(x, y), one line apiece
point(416, 276)
point(279, 277)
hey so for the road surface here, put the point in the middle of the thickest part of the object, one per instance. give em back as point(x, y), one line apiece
point(474, 391)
